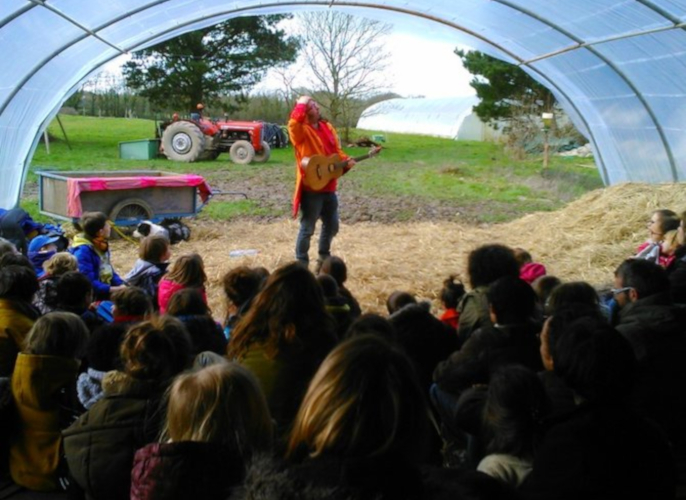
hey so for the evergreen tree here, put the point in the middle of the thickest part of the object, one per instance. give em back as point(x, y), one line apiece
point(205, 65)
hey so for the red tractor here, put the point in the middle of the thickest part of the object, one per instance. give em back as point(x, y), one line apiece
point(201, 139)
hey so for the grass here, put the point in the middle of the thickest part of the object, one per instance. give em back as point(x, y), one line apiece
point(421, 168)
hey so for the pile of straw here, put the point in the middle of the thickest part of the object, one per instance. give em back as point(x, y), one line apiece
point(586, 240)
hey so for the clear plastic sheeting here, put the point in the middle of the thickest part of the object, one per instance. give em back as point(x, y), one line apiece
point(617, 66)
point(450, 117)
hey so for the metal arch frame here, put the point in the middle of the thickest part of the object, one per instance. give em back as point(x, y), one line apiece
point(610, 64)
point(342, 4)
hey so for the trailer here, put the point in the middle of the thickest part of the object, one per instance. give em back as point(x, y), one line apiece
point(126, 197)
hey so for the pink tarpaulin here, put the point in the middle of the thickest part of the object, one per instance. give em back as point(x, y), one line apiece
point(78, 185)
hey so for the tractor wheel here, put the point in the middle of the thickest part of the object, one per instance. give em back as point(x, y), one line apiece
point(183, 141)
point(128, 213)
point(242, 152)
point(263, 156)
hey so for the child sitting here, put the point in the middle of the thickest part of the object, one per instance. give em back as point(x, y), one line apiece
point(529, 270)
point(91, 249)
point(42, 248)
point(153, 260)
point(661, 222)
point(335, 266)
point(336, 305)
point(46, 296)
point(43, 387)
point(216, 420)
point(75, 295)
point(451, 293)
point(188, 271)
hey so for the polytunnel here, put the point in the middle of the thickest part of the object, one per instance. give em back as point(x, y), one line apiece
point(450, 117)
point(618, 67)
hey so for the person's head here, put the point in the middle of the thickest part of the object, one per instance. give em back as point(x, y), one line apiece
point(335, 267)
point(154, 249)
point(364, 401)
point(94, 225)
point(313, 112)
point(74, 290)
point(289, 311)
point(670, 242)
point(60, 263)
point(131, 301)
point(15, 259)
point(399, 299)
point(57, 334)
point(187, 302)
point(452, 292)
point(7, 246)
point(555, 326)
point(188, 270)
point(522, 256)
point(637, 279)
point(596, 362)
point(156, 349)
point(221, 404)
point(515, 406)
point(240, 285)
point(543, 286)
point(490, 262)
point(372, 324)
point(104, 346)
point(511, 301)
point(329, 286)
point(43, 244)
point(574, 292)
point(660, 222)
point(18, 283)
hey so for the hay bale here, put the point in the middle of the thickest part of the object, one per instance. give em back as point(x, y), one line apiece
point(586, 240)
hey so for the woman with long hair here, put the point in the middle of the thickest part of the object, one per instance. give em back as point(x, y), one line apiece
point(283, 337)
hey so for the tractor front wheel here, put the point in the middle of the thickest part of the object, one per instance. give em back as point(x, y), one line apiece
point(263, 156)
point(183, 141)
point(242, 152)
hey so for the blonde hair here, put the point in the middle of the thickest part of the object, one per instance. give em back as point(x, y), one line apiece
point(670, 241)
point(57, 334)
point(188, 270)
point(223, 404)
point(60, 263)
point(363, 401)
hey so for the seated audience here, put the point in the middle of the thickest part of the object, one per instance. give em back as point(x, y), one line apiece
point(91, 249)
point(241, 284)
point(677, 269)
point(283, 337)
point(660, 223)
point(601, 449)
point(529, 270)
point(188, 271)
point(336, 305)
point(46, 296)
point(450, 297)
point(100, 445)
point(544, 286)
point(338, 270)
point(216, 420)
point(574, 292)
point(42, 248)
point(484, 265)
point(75, 295)
point(372, 324)
point(206, 334)
point(44, 398)
point(154, 253)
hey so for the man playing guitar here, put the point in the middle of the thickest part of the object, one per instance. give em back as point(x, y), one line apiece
point(311, 135)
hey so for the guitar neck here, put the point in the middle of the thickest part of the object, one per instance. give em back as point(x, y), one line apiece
point(342, 164)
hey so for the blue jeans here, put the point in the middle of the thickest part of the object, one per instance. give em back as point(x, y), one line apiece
point(315, 206)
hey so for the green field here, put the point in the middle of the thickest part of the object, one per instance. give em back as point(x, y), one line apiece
point(417, 176)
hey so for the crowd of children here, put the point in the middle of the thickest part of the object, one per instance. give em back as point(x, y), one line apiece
point(524, 386)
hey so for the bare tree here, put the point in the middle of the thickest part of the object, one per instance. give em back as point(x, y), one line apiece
point(346, 57)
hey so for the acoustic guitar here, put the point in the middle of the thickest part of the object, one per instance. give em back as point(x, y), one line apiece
point(320, 169)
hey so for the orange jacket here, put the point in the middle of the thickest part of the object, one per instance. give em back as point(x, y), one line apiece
point(306, 142)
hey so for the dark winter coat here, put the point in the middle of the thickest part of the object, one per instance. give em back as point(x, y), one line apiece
point(101, 444)
point(473, 309)
point(657, 332)
point(185, 470)
point(677, 276)
point(425, 338)
point(487, 350)
point(599, 453)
